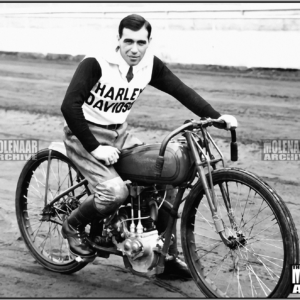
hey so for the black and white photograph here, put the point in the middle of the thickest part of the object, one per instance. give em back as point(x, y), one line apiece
point(149, 150)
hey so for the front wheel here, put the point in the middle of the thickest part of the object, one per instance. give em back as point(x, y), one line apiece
point(264, 241)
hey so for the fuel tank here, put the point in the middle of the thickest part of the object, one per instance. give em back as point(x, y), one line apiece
point(138, 164)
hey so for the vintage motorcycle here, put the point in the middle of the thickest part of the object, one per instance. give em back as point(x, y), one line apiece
point(237, 235)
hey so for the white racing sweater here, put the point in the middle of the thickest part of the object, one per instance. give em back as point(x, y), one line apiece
point(100, 93)
point(112, 97)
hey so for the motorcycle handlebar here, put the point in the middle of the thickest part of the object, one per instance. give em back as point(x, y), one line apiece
point(194, 124)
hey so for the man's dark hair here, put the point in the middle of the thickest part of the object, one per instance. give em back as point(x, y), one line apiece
point(134, 22)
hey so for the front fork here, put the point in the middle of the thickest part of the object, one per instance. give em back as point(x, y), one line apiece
point(211, 198)
point(209, 192)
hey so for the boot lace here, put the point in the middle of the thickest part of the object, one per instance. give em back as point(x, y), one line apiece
point(81, 234)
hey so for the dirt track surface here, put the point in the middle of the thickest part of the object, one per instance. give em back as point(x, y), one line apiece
point(266, 105)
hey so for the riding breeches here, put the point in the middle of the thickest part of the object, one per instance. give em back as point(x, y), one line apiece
point(109, 189)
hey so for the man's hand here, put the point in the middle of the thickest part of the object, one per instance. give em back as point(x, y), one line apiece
point(108, 154)
point(231, 121)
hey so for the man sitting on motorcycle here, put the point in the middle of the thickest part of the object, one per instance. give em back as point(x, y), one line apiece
point(96, 105)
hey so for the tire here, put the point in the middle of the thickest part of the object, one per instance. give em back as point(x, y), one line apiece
point(43, 238)
point(258, 265)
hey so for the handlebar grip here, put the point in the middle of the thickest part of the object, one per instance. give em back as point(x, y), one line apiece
point(234, 151)
point(233, 147)
point(220, 124)
point(159, 166)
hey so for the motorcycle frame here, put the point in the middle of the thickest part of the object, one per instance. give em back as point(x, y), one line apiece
point(209, 161)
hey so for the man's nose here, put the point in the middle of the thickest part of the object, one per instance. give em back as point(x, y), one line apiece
point(134, 48)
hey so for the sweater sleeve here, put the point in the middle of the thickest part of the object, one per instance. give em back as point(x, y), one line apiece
point(85, 77)
point(164, 80)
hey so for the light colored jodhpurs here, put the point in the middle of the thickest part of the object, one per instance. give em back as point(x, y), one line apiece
point(109, 189)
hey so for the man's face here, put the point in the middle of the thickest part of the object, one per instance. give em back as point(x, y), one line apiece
point(133, 45)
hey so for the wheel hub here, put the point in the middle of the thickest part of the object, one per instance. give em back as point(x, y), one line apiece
point(236, 241)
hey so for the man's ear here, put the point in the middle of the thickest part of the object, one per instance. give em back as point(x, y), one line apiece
point(150, 40)
point(118, 37)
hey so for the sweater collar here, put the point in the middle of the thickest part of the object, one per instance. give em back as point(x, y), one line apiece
point(114, 57)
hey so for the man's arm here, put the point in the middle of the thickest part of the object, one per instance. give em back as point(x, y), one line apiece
point(164, 80)
point(85, 77)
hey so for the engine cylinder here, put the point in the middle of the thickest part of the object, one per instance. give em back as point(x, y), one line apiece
point(147, 223)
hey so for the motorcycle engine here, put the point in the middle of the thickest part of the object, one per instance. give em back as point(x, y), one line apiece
point(134, 233)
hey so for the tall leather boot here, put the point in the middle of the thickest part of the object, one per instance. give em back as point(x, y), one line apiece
point(73, 229)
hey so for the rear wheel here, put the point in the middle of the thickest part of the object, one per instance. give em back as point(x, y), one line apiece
point(40, 228)
point(263, 235)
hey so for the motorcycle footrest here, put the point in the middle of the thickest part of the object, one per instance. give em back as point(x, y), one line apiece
point(83, 259)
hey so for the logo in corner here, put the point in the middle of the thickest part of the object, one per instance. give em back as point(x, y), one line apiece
point(295, 279)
